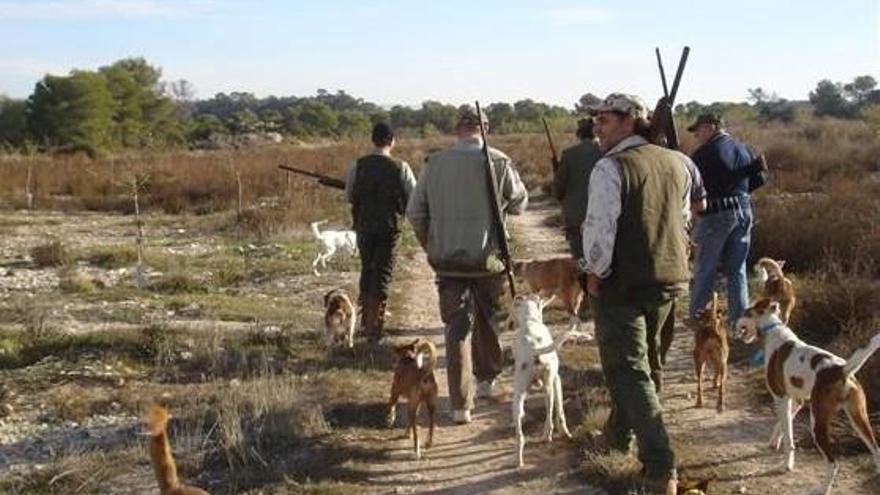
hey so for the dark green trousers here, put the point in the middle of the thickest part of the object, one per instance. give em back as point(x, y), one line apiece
point(622, 331)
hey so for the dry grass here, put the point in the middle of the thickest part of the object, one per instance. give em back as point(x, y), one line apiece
point(50, 254)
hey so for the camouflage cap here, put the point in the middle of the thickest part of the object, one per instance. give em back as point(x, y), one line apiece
point(622, 103)
point(706, 118)
point(468, 116)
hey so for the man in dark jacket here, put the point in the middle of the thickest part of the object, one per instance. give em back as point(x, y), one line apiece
point(571, 184)
point(378, 187)
point(722, 233)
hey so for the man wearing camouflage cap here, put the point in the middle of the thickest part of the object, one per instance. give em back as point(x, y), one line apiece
point(636, 263)
point(452, 219)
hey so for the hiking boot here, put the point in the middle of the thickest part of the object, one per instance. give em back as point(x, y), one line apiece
point(461, 416)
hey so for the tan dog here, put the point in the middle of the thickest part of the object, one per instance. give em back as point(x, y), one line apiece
point(710, 346)
point(554, 276)
point(414, 379)
point(160, 455)
point(776, 286)
point(797, 372)
point(339, 319)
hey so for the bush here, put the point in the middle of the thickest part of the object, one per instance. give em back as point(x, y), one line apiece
point(51, 254)
point(111, 257)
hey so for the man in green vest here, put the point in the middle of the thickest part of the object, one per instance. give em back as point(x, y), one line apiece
point(570, 184)
point(636, 263)
point(378, 187)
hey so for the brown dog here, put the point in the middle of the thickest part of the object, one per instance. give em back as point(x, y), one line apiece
point(710, 346)
point(414, 379)
point(776, 286)
point(339, 319)
point(554, 276)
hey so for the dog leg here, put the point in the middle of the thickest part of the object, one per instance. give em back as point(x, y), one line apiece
point(721, 377)
point(698, 369)
point(414, 426)
point(549, 402)
point(391, 417)
point(432, 414)
point(315, 265)
point(519, 399)
point(822, 414)
point(783, 412)
point(560, 412)
point(351, 324)
point(857, 412)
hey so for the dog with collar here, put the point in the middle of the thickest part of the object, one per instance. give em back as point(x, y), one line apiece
point(797, 372)
point(535, 359)
point(776, 286)
point(330, 241)
point(339, 319)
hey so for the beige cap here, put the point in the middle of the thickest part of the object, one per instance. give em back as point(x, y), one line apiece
point(468, 116)
point(622, 103)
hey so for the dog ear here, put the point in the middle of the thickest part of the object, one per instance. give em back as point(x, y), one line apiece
point(781, 264)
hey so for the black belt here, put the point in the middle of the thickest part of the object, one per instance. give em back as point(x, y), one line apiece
point(714, 205)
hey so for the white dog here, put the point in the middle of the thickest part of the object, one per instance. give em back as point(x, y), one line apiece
point(535, 358)
point(331, 240)
point(797, 372)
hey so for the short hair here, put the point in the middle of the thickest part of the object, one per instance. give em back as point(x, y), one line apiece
point(382, 134)
point(585, 128)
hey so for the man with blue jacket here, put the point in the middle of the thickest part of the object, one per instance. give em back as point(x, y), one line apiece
point(722, 233)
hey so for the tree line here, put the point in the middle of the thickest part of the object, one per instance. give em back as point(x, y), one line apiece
point(127, 105)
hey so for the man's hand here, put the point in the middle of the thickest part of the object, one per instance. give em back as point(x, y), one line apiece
point(593, 283)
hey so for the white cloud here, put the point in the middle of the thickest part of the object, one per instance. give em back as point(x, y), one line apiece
point(576, 14)
point(100, 9)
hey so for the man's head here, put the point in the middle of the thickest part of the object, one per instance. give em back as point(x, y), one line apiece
point(383, 136)
point(468, 125)
point(706, 126)
point(617, 118)
point(584, 130)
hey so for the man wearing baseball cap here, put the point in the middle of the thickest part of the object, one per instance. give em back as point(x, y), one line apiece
point(635, 249)
point(722, 232)
point(452, 219)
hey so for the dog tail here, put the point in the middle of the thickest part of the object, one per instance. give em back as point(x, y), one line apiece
point(430, 351)
point(315, 225)
point(861, 356)
point(773, 267)
point(562, 339)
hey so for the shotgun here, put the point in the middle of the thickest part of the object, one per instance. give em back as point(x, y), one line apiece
point(662, 122)
point(322, 179)
point(554, 158)
point(495, 204)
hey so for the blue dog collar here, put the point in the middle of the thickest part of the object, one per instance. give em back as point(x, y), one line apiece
point(765, 329)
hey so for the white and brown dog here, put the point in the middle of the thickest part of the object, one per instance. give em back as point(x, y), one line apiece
point(330, 241)
point(535, 359)
point(776, 286)
point(339, 319)
point(553, 276)
point(797, 372)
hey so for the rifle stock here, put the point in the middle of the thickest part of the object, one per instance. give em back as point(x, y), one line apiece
point(324, 180)
point(495, 204)
point(554, 158)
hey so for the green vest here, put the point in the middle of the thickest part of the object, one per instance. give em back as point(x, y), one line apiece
point(650, 249)
point(573, 181)
point(378, 194)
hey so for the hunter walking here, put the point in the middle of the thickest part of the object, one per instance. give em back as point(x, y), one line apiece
point(378, 186)
point(636, 261)
point(451, 215)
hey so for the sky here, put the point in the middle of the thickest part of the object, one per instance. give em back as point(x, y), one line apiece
point(406, 52)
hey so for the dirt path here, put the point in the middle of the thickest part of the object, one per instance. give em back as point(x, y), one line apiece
point(478, 457)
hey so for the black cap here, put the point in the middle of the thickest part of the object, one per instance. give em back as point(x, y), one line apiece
point(706, 118)
point(382, 134)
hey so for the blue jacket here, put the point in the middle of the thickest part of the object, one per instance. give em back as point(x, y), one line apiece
point(725, 165)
